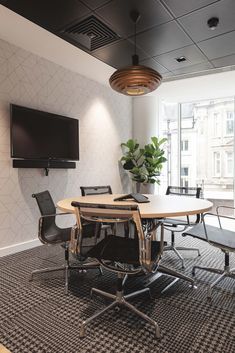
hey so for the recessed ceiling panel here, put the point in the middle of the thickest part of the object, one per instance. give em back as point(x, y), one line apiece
point(219, 46)
point(224, 61)
point(94, 4)
point(194, 68)
point(163, 38)
point(196, 23)
point(154, 65)
point(118, 54)
point(182, 7)
point(50, 14)
point(191, 53)
point(117, 13)
point(167, 74)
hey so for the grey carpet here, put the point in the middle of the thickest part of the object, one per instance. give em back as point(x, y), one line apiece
point(37, 317)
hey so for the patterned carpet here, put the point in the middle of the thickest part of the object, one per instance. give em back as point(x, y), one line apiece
point(36, 317)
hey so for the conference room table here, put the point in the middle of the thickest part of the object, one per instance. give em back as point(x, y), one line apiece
point(159, 207)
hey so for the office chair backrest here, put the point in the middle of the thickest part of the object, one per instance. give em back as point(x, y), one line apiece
point(46, 207)
point(95, 190)
point(115, 215)
point(185, 191)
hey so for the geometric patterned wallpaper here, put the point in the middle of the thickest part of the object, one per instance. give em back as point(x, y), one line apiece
point(105, 120)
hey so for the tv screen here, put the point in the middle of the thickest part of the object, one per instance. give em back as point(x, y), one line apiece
point(40, 135)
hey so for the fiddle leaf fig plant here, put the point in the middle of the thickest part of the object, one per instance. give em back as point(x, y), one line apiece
point(144, 164)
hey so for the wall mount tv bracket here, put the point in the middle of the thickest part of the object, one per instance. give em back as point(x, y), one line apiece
point(45, 164)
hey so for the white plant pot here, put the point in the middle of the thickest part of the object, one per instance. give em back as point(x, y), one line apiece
point(145, 188)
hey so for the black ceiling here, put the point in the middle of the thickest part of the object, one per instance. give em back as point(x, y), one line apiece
point(167, 30)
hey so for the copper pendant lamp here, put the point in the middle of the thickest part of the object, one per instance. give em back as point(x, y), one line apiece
point(135, 80)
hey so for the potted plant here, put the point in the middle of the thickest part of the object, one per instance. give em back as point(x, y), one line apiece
point(144, 164)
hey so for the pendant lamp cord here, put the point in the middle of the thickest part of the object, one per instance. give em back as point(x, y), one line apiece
point(135, 37)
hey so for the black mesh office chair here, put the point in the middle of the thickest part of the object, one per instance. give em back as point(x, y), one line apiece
point(49, 233)
point(95, 190)
point(120, 254)
point(221, 237)
point(180, 225)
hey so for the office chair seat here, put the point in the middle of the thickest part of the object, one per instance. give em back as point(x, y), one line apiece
point(221, 238)
point(58, 235)
point(175, 222)
point(124, 250)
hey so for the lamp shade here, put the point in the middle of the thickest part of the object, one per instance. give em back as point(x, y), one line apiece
point(135, 80)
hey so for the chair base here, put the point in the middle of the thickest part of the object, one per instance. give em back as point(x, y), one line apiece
point(169, 272)
point(120, 300)
point(176, 248)
point(67, 268)
point(226, 272)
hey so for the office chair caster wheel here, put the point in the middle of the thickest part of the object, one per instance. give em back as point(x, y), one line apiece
point(193, 273)
point(100, 271)
point(82, 271)
point(82, 332)
point(117, 308)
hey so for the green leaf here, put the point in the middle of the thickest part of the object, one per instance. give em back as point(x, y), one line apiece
point(163, 140)
point(128, 165)
point(155, 141)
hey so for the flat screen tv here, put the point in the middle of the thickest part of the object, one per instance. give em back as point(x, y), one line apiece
point(41, 135)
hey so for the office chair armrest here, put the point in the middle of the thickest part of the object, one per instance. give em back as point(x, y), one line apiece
point(55, 215)
point(228, 207)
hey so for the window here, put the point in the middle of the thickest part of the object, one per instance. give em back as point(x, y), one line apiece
point(217, 164)
point(185, 183)
point(230, 123)
point(184, 145)
point(184, 171)
point(199, 135)
point(229, 163)
point(216, 124)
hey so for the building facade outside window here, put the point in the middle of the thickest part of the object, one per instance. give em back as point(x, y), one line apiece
point(230, 123)
point(208, 128)
point(184, 171)
point(184, 145)
point(217, 164)
point(217, 120)
point(229, 163)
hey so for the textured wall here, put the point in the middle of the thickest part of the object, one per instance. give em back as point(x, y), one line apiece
point(105, 121)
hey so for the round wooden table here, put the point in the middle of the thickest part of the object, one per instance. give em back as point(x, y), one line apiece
point(159, 206)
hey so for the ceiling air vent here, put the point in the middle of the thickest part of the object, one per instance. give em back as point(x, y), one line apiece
point(91, 33)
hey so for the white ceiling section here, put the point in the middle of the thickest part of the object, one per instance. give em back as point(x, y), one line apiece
point(19, 31)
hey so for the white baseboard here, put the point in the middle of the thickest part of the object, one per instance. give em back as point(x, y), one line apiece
point(12, 249)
